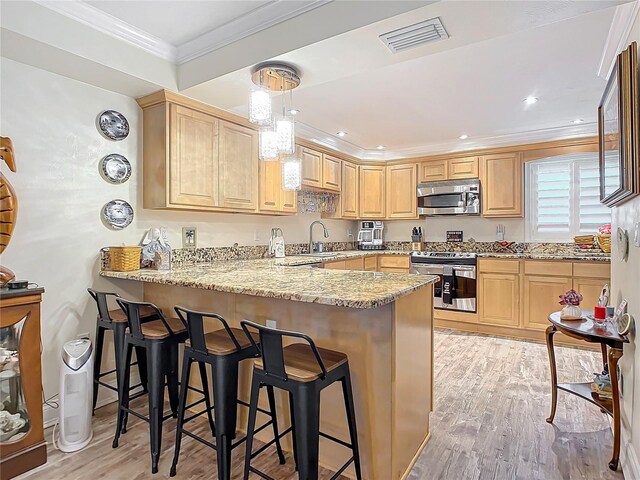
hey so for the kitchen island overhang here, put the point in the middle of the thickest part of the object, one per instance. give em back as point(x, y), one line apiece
point(382, 321)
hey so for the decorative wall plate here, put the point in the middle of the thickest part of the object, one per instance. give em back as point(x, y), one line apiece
point(623, 244)
point(115, 168)
point(113, 125)
point(625, 322)
point(117, 214)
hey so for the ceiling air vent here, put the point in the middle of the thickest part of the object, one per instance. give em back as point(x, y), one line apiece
point(415, 35)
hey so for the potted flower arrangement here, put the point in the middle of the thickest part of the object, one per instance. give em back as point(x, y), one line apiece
point(571, 301)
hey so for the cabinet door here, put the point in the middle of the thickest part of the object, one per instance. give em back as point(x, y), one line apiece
point(501, 185)
point(193, 160)
point(335, 265)
point(349, 193)
point(371, 263)
point(590, 289)
point(433, 171)
point(401, 191)
point(372, 192)
point(463, 168)
point(540, 298)
point(311, 167)
point(238, 167)
point(354, 264)
point(331, 172)
point(498, 299)
point(289, 201)
point(270, 192)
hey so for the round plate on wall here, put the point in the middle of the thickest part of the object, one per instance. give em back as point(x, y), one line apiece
point(625, 322)
point(113, 125)
point(117, 214)
point(115, 168)
point(623, 244)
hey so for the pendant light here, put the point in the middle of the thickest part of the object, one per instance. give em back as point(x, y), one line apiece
point(285, 130)
point(291, 173)
point(260, 106)
point(268, 144)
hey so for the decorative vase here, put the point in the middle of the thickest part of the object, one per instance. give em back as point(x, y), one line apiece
point(571, 312)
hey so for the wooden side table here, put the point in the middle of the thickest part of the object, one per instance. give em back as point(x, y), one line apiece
point(24, 447)
point(611, 344)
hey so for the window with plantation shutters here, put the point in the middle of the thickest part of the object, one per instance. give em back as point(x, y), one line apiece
point(563, 197)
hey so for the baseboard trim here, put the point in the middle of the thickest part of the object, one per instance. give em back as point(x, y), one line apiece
point(407, 472)
point(628, 458)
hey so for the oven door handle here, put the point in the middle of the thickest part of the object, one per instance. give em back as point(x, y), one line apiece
point(467, 271)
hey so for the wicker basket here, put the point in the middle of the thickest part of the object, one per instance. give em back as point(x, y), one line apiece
point(125, 259)
point(604, 242)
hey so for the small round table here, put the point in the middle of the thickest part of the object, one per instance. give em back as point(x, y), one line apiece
point(611, 345)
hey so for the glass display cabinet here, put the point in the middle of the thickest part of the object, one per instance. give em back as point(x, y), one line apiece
point(22, 445)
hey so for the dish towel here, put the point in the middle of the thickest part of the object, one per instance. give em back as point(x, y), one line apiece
point(448, 285)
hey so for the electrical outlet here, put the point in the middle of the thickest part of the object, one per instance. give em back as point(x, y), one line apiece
point(272, 324)
point(256, 236)
point(636, 235)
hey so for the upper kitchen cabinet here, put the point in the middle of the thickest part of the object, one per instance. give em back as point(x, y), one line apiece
point(433, 171)
point(331, 172)
point(501, 185)
point(401, 190)
point(238, 167)
point(272, 198)
point(349, 193)
point(372, 198)
point(311, 167)
point(448, 169)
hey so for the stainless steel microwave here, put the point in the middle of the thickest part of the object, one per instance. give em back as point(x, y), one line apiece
point(452, 197)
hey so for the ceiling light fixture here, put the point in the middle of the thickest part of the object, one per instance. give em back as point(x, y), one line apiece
point(341, 133)
point(279, 138)
point(380, 147)
point(291, 173)
point(530, 100)
point(577, 121)
point(464, 136)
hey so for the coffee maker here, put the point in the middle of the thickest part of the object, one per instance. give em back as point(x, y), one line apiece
point(370, 235)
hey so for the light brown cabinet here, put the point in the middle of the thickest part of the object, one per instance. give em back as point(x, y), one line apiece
point(238, 167)
point(372, 192)
point(401, 191)
point(433, 171)
point(311, 167)
point(499, 299)
point(350, 189)
point(541, 298)
point(354, 264)
point(272, 197)
point(371, 263)
point(335, 265)
point(501, 179)
point(449, 169)
point(331, 172)
point(193, 159)
point(394, 263)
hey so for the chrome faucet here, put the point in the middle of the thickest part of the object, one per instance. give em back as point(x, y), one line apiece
point(326, 234)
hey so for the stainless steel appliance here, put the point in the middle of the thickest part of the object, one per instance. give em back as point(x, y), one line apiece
point(370, 235)
point(453, 197)
point(458, 269)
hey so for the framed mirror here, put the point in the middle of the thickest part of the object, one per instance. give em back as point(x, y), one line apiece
point(618, 131)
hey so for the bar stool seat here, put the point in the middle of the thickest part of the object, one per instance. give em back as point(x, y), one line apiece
point(156, 330)
point(119, 316)
point(300, 363)
point(219, 342)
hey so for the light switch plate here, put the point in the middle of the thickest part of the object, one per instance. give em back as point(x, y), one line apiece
point(189, 237)
point(636, 235)
point(272, 324)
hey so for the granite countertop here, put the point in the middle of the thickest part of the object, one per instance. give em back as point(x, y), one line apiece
point(594, 257)
point(268, 278)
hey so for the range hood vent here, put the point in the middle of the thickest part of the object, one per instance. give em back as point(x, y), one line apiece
point(415, 35)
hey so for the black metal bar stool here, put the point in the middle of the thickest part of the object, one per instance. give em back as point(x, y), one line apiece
point(116, 322)
point(159, 339)
point(222, 350)
point(303, 370)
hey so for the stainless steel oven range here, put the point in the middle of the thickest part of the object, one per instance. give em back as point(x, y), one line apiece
point(456, 287)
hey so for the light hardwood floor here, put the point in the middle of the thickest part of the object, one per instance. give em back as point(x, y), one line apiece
point(492, 397)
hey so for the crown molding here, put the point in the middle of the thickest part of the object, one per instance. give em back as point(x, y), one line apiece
point(261, 18)
point(108, 24)
point(323, 139)
point(619, 31)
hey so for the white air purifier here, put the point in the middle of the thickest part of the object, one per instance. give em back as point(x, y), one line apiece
point(76, 395)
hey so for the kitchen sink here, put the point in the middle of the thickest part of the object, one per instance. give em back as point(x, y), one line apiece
point(318, 254)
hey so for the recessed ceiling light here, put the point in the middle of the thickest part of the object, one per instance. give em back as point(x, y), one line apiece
point(530, 100)
point(380, 147)
point(294, 111)
point(341, 133)
point(464, 136)
point(577, 121)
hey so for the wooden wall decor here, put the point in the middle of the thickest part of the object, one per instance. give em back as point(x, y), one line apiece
point(8, 205)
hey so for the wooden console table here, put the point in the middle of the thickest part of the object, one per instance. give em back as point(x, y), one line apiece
point(611, 344)
point(23, 447)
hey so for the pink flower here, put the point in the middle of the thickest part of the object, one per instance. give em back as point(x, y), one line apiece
point(570, 298)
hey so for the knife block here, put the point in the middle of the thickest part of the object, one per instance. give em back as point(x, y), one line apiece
point(417, 246)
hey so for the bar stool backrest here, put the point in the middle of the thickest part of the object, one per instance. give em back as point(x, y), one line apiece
point(101, 302)
point(272, 351)
point(132, 310)
point(194, 322)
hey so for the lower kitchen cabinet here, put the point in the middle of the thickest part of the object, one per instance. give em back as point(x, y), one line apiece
point(371, 263)
point(590, 289)
point(335, 265)
point(394, 263)
point(499, 299)
point(354, 264)
point(541, 298)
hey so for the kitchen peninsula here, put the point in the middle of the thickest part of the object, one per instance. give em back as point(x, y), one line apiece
point(382, 321)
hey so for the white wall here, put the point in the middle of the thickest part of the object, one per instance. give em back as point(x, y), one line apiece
point(435, 229)
point(51, 120)
point(625, 283)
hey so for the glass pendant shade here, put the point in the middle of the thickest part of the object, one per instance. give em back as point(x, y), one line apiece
point(286, 134)
point(291, 174)
point(268, 144)
point(260, 107)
